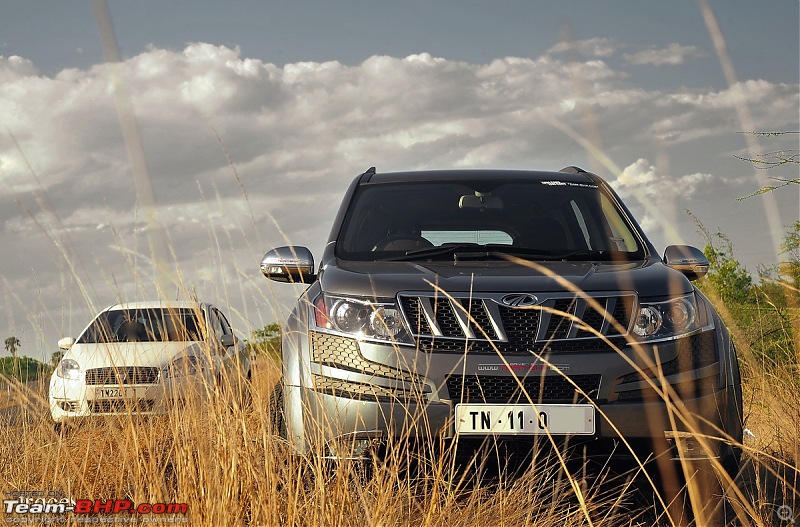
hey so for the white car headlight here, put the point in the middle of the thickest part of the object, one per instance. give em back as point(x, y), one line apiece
point(379, 320)
point(69, 369)
point(669, 319)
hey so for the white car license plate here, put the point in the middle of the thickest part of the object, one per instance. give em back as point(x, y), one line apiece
point(525, 419)
point(111, 392)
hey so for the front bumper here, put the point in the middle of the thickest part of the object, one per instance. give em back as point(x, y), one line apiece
point(71, 399)
point(379, 391)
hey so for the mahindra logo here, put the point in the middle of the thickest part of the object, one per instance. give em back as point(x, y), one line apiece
point(520, 300)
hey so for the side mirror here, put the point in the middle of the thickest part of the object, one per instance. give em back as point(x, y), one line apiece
point(228, 340)
point(66, 343)
point(688, 260)
point(293, 264)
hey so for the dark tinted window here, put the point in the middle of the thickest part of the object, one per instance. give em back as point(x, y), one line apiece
point(144, 325)
point(555, 217)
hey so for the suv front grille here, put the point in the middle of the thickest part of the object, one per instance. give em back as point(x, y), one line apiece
point(482, 323)
point(506, 388)
point(122, 375)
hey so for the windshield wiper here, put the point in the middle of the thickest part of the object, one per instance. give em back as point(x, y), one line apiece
point(471, 251)
point(475, 251)
point(432, 252)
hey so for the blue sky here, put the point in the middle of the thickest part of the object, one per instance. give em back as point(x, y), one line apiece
point(762, 36)
point(301, 96)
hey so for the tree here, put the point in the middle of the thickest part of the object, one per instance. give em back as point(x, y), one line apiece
point(55, 358)
point(24, 369)
point(790, 247)
point(12, 343)
point(266, 340)
point(768, 160)
point(726, 276)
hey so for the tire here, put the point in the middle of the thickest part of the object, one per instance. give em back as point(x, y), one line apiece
point(276, 410)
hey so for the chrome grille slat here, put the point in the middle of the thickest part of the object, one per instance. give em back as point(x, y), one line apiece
point(482, 317)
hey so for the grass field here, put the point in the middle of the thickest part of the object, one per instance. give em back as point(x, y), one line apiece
point(226, 464)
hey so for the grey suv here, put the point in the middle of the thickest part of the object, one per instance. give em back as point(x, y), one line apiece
point(512, 306)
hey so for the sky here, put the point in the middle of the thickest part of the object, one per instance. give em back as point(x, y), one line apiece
point(164, 152)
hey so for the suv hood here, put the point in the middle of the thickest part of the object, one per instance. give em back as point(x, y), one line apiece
point(385, 279)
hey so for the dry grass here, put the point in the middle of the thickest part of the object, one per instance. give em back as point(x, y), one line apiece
point(227, 465)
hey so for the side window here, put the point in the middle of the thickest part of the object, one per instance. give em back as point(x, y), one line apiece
point(226, 327)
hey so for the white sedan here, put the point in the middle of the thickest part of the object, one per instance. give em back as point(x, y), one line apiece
point(146, 357)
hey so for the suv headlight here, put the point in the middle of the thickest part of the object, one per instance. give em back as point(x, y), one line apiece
point(668, 319)
point(361, 318)
point(69, 369)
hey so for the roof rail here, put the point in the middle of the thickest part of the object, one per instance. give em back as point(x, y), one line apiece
point(573, 170)
point(367, 175)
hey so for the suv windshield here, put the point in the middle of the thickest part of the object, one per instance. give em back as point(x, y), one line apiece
point(143, 325)
point(531, 219)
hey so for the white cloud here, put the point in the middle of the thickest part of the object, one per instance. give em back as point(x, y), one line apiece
point(642, 176)
point(672, 55)
point(592, 47)
point(299, 133)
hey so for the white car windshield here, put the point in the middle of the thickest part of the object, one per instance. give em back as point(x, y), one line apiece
point(144, 325)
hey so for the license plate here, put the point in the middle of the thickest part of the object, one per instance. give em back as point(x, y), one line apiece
point(525, 419)
point(118, 393)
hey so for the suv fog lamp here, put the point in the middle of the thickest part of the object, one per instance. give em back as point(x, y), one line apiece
point(354, 446)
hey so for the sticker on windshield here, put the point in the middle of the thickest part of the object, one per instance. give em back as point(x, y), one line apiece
point(555, 183)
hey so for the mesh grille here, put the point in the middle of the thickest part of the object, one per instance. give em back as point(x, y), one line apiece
point(122, 375)
point(416, 319)
point(343, 353)
point(446, 319)
point(560, 324)
point(592, 318)
point(362, 391)
point(433, 345)
point(506, 389)
point(520, 325)
point(622, 313)
point(479, 321)
point(121, 405)
point(492, 325)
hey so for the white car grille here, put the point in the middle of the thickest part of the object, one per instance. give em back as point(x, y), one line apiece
point(122, 375)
